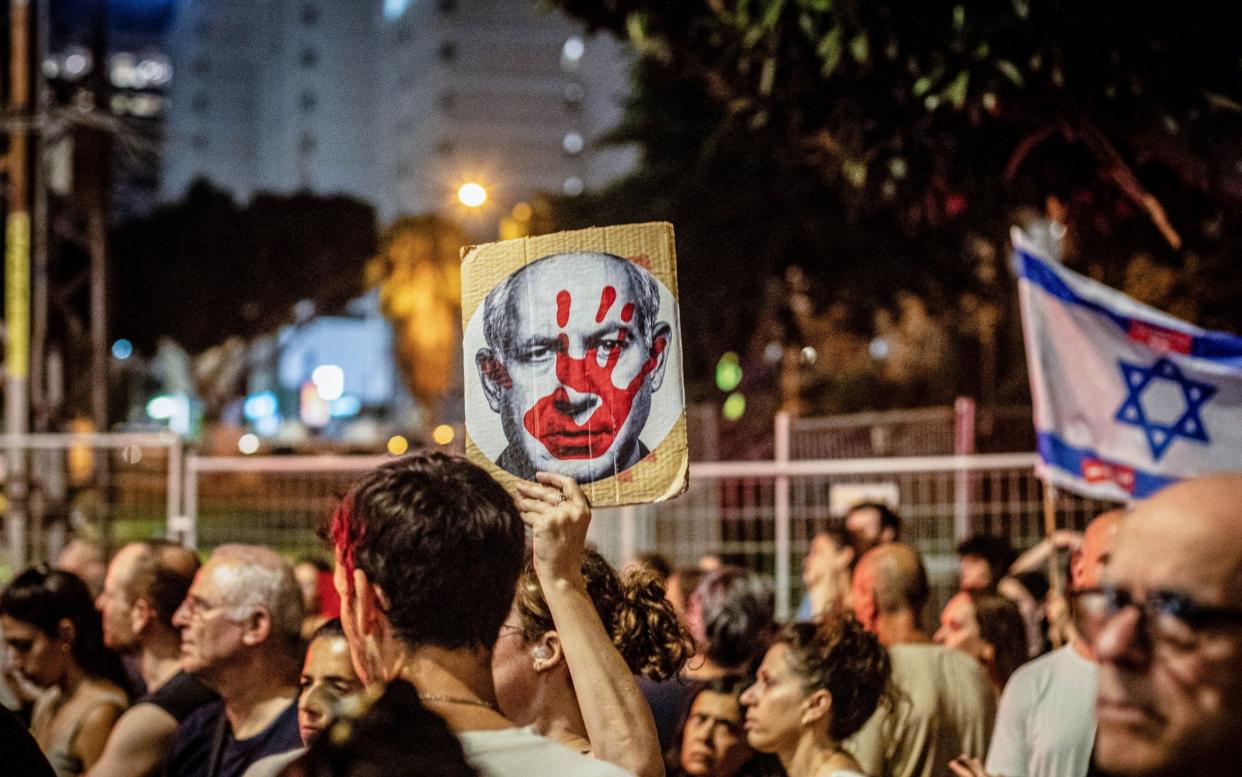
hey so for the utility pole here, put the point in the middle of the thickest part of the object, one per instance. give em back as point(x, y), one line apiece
point(17, 280)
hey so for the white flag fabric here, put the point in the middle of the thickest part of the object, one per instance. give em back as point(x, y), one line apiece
point(1127, 399)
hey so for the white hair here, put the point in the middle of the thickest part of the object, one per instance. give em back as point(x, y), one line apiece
point(255, 576)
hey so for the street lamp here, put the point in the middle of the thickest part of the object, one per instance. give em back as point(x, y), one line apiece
point(472, 194)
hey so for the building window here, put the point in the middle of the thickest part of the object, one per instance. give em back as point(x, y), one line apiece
point(309, 57)
point(310, 14)
point(199, 103)
point(308, 101)
point(447, 52)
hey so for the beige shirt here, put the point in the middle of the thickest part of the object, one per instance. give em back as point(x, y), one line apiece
point(943, 706)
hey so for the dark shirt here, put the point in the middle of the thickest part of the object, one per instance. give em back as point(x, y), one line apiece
point(669, 701)
point(19, 751)
point(196, 737)
point(181, 695)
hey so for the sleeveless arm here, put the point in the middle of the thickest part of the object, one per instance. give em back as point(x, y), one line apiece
point(138, 744)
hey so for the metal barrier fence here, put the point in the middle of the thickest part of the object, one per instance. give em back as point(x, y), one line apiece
point(110, 488)
point(762, 514)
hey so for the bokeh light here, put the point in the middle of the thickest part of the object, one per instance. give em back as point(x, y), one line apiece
point(398, 445)
point(472, 194)
point(248, 444)
point(443, 434)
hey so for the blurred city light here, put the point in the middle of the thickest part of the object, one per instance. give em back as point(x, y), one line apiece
point(734, 406)
point(443, 434)
point(397, 445)
point(523, 211)
point(573, 49)
point(728, 372)
point(573, 186)
point(268, 425)
point(260, 405)
point(162, 407)
point(572, 143)
point(313, 408)
point(122, 349)
point(329, 381)
point(878, 348)
point(809, 356)
point(472, 194)
point(248, 444)
point(346, 406)
point(131, 454)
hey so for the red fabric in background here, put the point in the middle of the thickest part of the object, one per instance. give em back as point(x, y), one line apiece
point(329, 600)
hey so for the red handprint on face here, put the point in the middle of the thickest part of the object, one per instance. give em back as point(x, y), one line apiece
point(551, 420)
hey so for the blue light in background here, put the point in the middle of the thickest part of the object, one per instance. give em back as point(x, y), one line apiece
point(122, 349)
point(260, 405)
point(347, 406)
point(393, 9)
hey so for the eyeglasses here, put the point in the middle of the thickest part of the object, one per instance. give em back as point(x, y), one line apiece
point(1165, 617)
point(197, 608)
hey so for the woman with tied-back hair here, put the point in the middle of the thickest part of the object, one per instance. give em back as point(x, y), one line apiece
point(988, 626)
point(52, 628)
point(577, 633)
point(818, 684)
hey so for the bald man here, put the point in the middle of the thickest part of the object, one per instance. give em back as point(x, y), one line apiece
point(1170, 639)
point(1045, 725)
point(944, 701)
point(144, 585)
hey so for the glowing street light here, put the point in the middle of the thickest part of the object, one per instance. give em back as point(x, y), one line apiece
point(472, 194)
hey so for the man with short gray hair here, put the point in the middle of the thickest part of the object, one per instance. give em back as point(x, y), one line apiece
point(240, 634)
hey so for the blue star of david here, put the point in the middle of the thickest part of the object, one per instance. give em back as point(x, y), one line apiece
point(1160, 436)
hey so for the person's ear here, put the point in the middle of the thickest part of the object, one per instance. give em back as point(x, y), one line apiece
point(816, 707)
point(661, 341)
point(140, 615)
point(494, 377)
point(257, 627)
point(547, 652)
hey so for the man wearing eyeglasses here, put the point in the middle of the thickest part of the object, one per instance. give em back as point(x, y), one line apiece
point(1045, 724)
point(1170, 636)
point(241, 635)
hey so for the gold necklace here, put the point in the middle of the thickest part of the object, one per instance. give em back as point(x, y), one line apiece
point(457, 700)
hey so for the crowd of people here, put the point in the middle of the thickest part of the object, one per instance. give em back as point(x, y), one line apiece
point(465, 630)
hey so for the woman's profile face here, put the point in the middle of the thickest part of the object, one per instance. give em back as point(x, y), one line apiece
point(40, 658)
point(713, 743)
point(513, 671)
point(774, 704)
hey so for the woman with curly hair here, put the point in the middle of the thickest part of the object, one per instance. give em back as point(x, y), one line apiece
point(54, 633)
point(578, 633)
point(817, 685)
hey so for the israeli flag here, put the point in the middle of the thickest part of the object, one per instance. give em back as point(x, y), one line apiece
point(1127, 399)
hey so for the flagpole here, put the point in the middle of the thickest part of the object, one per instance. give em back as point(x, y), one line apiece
point(1054, 570)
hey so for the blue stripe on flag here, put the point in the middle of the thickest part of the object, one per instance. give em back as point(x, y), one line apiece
point(1205, 344)
point(1057, 453)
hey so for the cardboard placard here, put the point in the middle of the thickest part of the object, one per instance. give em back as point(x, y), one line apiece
point(572, 352)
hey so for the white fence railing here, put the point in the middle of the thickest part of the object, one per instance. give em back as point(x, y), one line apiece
point(92, 481)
